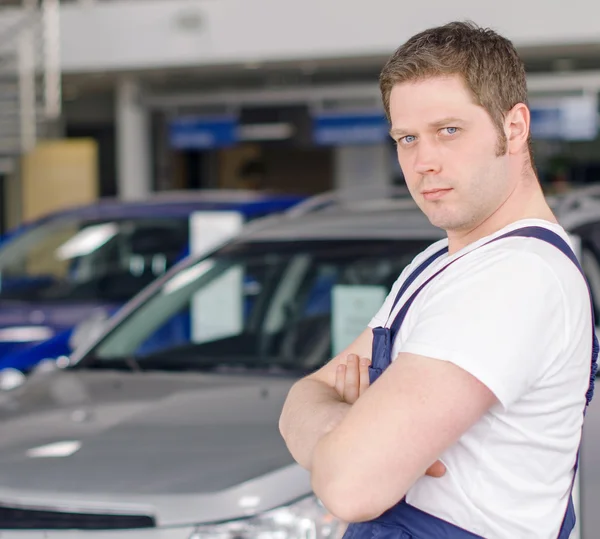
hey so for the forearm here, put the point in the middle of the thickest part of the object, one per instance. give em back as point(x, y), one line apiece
point(311, 410)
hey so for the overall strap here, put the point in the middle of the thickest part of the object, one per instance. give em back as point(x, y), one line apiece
point(399, 320)
point(411, 278)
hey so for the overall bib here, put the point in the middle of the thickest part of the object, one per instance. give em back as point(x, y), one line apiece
point(404, 521)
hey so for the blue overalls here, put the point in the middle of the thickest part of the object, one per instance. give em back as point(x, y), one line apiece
point(404, 521)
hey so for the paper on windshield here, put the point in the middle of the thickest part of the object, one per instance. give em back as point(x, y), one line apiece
point(210, 229)
point(217, 309)
point(353, 306)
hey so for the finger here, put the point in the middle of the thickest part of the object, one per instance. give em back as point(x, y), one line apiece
point(364, 374)
point(351, 387)
point(340, 379)
point(334, 382)
point(437, 469)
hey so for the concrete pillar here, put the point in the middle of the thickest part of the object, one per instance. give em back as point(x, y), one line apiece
point(13, 198)
point(133, 142)
point(361, 170)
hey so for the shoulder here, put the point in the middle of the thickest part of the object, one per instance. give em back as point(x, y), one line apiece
point(514, 274)
point(517, 262)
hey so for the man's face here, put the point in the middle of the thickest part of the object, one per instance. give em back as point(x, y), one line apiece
point(447, 149)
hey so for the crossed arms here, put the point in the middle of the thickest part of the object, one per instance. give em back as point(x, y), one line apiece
point(366, 446)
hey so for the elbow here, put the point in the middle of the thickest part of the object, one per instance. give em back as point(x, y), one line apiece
point(351, 493)
point(284, 432)
point(347, 503)
point(346, 495)
point(281, 425)
point(284, 421)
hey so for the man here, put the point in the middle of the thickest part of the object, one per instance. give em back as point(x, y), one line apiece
point(468, 421)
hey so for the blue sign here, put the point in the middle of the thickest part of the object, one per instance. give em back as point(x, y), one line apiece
point(203, 133)
point(350, 128)
point(545, 123)
point(567, 118)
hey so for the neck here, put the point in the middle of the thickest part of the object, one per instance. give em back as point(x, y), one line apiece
point(525, 201)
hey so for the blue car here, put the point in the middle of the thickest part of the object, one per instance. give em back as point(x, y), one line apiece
point(74, 266)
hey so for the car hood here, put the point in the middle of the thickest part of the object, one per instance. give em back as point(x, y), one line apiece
point(185, 447)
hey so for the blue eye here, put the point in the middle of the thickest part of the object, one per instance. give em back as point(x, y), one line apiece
point(451, 130)
point(408, 139)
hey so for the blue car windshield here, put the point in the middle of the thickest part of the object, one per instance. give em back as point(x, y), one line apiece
point(70, 259)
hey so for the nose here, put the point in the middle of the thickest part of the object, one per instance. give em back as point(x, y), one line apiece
point(427, 159)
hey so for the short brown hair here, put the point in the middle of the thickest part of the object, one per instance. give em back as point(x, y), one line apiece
point(487, 62)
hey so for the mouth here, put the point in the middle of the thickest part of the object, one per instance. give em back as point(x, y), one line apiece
point(435, 194)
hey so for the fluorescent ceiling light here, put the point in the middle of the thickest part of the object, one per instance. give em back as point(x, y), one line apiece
point(273, 131)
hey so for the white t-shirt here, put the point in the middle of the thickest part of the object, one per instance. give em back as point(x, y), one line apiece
point(516, 315)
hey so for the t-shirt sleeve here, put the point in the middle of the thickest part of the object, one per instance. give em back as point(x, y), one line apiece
point(499, 317)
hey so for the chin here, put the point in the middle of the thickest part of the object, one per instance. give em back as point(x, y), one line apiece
point(447, 222)
point(438, 220)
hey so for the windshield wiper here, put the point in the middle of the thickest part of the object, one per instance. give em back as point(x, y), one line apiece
point(94, 362)
point(132, 363)
point(217, 365)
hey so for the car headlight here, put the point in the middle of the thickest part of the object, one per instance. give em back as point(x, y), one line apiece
point(305, 519)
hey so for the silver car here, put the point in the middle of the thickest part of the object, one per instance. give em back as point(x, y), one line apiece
point(166, 426)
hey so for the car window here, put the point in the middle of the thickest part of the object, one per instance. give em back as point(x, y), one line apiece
point(279, 305)
point(74, 259)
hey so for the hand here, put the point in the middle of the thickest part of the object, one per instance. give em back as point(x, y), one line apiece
point(352, 380)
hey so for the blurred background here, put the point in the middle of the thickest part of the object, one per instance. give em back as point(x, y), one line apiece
point(125, 98)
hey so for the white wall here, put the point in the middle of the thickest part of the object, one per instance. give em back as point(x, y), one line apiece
point(131, 34)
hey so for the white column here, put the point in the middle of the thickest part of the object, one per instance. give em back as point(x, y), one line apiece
point(361, 170)
point(133, 142)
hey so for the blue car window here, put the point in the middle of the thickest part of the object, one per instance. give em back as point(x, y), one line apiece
point(77, 260)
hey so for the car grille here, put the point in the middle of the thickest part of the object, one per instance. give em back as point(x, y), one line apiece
point(20, 518)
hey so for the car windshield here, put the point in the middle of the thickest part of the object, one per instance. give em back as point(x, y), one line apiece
point(279, 307)
point(72, 259)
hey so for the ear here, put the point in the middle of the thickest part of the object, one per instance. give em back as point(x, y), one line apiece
point(516, 126)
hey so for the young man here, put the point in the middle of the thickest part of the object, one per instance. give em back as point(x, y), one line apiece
point(468, 421)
